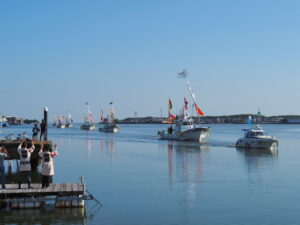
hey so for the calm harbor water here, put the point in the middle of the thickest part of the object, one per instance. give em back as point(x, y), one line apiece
point(142, 180)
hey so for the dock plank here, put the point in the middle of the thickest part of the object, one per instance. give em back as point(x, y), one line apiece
point(54, 189)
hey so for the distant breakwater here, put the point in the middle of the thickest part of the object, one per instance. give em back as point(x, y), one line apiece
point(231, 119)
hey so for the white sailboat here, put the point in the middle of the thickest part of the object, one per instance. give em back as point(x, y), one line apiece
point(88, 123)
point(109, 125)
point(185, 127)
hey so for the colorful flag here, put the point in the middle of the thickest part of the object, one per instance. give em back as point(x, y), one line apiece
point(249, 121)
point(171, 117)
point(198, 110)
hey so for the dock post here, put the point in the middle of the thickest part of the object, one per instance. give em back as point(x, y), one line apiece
point(46, 123)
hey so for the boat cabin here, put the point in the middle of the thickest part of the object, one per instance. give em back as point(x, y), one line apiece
point(252, 133)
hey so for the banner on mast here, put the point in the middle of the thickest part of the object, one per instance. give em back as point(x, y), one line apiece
point(198, 110)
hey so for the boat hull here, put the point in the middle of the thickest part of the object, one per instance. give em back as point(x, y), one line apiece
point(88, 127)
point(110, 129)
point(257, 143)
point(199, 134)
point(69, 125)
point(61, 126)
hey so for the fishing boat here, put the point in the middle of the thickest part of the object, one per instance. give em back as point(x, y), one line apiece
point(88, 123)
point(185, 130)
point(256, 138)
point(109, 124)
point(69, 121)
point(185, 127)
point(60, 123)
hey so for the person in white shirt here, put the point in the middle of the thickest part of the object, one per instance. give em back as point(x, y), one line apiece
point(25, 166)
point(47, 164)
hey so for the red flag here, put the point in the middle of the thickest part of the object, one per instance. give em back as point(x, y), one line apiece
point(198, 110)
point(171, 117)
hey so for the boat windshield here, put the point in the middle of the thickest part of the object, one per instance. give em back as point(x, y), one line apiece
point(255, 133)
point(187, 123)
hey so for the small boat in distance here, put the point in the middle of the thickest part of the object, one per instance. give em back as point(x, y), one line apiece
point(69, 121)
point(60, 123)
point(256, 138)
point(88, 123)
point(109, 125)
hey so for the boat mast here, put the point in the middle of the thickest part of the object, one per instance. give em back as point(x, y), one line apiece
point(112, 112)
point(183, 75)
point(89, 112)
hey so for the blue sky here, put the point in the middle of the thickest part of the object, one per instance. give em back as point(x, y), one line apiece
point(240, 55)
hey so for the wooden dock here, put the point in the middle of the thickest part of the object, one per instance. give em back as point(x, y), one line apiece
point(61, 195)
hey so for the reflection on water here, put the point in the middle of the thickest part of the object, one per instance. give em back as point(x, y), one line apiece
point(186, 160)
point(254, 158)
point(44, 217)
point(107, 146)
point(143, 180)
point(256, 161)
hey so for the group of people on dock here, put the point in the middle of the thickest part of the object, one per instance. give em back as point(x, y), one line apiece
point(25, 150)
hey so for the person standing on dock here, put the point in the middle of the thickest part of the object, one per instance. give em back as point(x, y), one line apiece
point(35, 132)
point(47, 164)
point(25, 166)
point(3, 155)
point(43, 130)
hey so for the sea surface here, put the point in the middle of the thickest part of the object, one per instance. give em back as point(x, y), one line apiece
point(141, 180)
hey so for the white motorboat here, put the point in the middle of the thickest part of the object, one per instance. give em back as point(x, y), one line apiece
point(109, 127)
point(256, 138)
point(185, 130)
